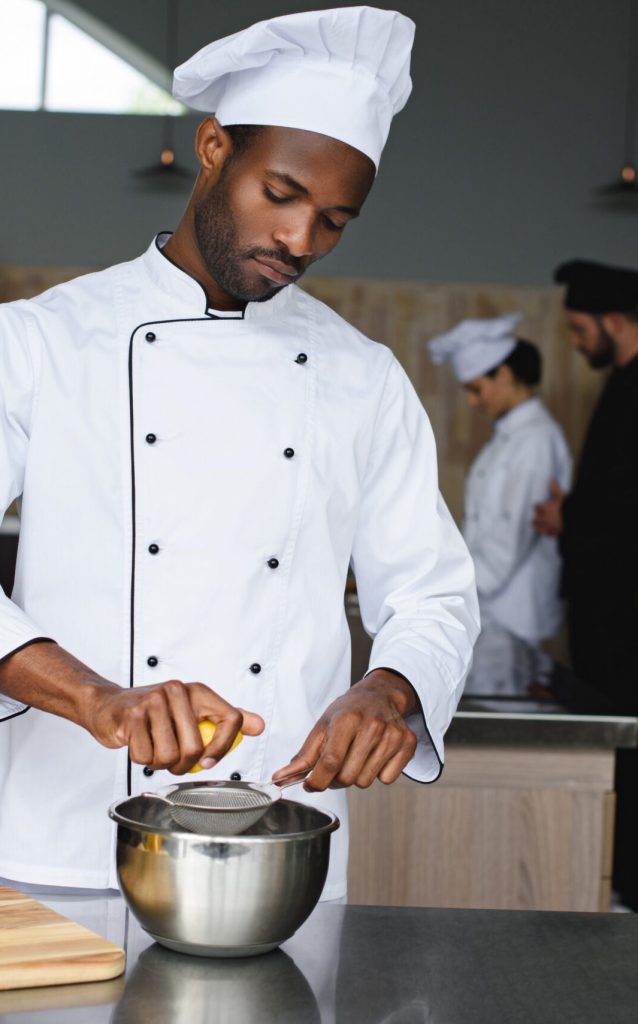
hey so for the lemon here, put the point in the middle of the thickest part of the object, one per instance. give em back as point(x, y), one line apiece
point(207, 731)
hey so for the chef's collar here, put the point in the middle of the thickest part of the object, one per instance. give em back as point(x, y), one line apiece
point(188, 292)
point(517, 417)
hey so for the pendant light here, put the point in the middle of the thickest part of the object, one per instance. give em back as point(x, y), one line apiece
point(626, 185)
point(167, 173)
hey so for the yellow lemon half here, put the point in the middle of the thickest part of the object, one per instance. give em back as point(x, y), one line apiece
point(207, 731)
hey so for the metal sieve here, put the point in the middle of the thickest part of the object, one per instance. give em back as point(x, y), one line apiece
point(222, 807)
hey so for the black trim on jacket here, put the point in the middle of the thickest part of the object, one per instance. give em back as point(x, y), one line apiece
point(209, 318)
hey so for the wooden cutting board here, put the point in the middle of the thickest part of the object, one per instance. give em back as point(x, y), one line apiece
point(39, 947)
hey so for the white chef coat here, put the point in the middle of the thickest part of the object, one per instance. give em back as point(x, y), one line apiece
point(131, 418)
point(517, 570)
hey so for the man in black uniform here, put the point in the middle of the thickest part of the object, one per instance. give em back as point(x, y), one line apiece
point(597, 523)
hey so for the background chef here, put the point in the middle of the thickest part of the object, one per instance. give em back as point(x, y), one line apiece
point(225, 446)
point(517, 571)
point(596, 522)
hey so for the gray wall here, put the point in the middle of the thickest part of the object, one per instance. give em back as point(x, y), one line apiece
point(516, 114)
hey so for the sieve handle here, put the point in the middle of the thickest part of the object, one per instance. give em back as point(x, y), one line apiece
point(158, 798)
point(292, 779)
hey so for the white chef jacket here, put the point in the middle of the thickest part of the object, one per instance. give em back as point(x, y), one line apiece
point(517, 570)
point(133, 422)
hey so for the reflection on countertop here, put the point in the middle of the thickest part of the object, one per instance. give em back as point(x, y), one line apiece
point(179, 989)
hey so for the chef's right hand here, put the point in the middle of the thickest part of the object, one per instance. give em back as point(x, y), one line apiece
point(159, 724)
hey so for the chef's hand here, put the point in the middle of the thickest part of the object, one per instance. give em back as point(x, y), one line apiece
point(548, 516)
point(159, 724)
point(361, 737)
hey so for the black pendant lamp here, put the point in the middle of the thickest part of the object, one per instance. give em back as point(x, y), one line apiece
point(166, 173)
point(626, 185)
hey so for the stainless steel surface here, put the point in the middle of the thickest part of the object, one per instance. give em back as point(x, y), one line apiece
point(365, 965)
point(222, 896)
point(529, 729)
point(223, 807)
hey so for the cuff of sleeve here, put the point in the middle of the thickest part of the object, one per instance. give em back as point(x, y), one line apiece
point(10, 708)
point(427, 764)
point(438, 705)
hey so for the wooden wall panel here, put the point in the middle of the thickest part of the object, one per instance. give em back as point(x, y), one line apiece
point(530, 832)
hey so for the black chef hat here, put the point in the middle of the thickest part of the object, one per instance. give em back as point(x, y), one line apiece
point(597, 288)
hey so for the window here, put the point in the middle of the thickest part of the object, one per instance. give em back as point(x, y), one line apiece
point(21, 54)
point(51, 62)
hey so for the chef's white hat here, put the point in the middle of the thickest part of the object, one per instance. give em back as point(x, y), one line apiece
point(474, 347)
point(342, 73)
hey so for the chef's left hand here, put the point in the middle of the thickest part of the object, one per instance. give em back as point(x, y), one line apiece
point(361, 737)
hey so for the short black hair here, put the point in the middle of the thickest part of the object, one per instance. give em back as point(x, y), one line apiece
point(242, 137)
point(525, 362)
point(597, 288)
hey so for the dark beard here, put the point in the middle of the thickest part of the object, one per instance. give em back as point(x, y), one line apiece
point(216, 234)
point(605, 351)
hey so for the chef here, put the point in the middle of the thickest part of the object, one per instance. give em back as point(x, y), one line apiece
point(596, 522)
point(200, 451)
point(517, 571)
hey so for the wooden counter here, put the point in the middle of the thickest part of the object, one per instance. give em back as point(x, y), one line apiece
point(505, 828)
point(521, 818)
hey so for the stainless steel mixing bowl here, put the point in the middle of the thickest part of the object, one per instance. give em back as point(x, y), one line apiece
point(222, 896)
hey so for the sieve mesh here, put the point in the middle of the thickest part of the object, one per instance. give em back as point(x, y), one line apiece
point(222, 811)
point(223, 808)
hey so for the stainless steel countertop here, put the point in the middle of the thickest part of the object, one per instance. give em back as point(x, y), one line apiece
point(539, 729)
point(363, 965)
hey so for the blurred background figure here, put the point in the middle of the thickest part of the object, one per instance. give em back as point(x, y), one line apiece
point(517, 569)
point(597, 523)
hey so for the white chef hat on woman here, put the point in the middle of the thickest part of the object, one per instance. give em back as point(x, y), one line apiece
point(342, 73)
point(474, 347)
